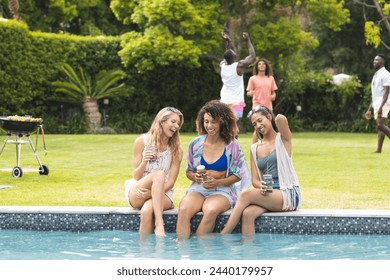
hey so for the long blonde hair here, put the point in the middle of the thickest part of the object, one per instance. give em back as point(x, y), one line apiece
point(155, 131)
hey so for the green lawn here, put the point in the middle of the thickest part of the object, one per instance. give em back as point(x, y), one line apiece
point(336, 170)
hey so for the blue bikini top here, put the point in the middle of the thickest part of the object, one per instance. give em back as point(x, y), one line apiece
point(219, 165)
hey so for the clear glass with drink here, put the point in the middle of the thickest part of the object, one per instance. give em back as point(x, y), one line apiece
point(201, 170)
point(267, 178)
point(153, 149)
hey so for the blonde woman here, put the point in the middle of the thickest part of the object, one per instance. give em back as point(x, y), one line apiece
point(155, 171)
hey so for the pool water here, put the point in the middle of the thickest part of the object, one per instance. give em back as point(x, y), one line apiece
point(115, 245)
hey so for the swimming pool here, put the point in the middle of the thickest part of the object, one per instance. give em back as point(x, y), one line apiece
point(94, 233)
point(121, 245)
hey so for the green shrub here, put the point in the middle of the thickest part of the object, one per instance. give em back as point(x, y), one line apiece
point(29, 63)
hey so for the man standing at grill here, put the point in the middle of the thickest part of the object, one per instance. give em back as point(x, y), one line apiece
point(232, 75)
point(380, 101)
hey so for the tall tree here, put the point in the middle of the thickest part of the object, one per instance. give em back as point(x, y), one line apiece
point(167, 31)
point(346, 51)
point(87, 17)
point(13, 6)
point(180, 31)
point(377, 25)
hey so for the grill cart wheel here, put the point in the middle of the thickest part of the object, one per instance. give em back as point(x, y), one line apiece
point(17, 172)
point(44, 170)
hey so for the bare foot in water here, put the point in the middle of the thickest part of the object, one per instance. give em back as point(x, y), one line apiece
point(160, 231)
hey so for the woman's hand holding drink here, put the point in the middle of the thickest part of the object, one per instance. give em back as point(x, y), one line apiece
point(153, 150)
point(269, 182)
point(201, 173)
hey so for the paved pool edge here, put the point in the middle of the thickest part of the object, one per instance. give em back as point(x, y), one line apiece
point(304, 221)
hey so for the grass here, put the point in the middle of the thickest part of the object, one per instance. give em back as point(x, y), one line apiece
point(336, 170)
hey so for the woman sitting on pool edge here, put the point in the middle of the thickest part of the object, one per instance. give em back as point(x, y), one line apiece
point(227, 172)
point(272, 155)
point(155, 172)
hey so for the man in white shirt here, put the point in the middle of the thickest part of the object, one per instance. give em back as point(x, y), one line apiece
point(232, 75)
point(380, 100)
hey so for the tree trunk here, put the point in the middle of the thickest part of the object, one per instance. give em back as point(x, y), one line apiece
point(382, 15)
point(92, 113)
point(13, 6)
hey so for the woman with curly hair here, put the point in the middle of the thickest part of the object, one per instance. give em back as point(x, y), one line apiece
point(155, 170)
point(227, 172)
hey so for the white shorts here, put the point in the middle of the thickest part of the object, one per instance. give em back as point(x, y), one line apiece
point(385, 111)
point(129, 184)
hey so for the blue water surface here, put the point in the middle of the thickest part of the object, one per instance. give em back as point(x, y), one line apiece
point(59, 245)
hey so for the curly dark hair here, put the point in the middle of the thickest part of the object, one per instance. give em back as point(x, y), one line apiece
point(268, 69)
point(221, 112)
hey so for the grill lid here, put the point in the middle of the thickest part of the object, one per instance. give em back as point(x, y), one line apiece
point(20, 124)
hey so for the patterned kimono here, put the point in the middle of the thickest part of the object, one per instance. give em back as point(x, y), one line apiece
point(237, 164)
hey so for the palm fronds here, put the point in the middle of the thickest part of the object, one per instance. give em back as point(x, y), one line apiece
point(81, 88)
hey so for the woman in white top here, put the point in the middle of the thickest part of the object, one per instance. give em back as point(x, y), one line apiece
point(151, 188)
point(271, 155)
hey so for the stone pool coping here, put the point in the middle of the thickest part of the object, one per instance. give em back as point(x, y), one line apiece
point(304, 221)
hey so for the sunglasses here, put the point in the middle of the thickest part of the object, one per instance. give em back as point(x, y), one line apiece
point(174, 110)
point(257, 109)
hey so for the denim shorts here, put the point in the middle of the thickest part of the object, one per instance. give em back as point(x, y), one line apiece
point(291, 196)
point(225, 191)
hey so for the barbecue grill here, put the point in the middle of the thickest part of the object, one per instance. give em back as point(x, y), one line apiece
point(19, 127)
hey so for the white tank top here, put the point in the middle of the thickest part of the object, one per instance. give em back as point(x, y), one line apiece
point(163, 162)
point(233, 84)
